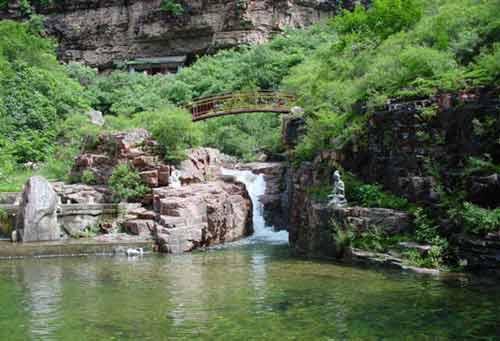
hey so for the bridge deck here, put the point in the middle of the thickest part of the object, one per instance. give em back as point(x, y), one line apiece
point(239, 103)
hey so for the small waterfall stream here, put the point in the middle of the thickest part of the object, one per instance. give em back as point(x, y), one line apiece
point(256, 186)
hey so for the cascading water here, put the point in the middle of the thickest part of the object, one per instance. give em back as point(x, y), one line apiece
point(256, 186)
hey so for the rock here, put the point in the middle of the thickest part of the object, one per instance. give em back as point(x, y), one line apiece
point(201, 214)
point(76, 218)
point(293, 129)
point(420, 248)
point(138, 149)
point(81, 194)
point(484, 190)
point(479, 253)
point(274, 172)
point(150, 178)
point(37, 216)
point(389, 221)
point(140, 227)
point(201, 165)
point(96, 117)
point(101, 32)
point(419, 189)
point(10, 198)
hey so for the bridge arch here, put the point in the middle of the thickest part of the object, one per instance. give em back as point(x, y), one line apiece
point(240, 103)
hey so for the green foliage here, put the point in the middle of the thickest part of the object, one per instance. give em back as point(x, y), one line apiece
point(89, 231)
point(36, 94)
point(327, 130)
point(88, 177)
point(383, 18)
point(5, 223)
point(372, 195)
point(172, 6)
point(126, 184)
point(373, 239)
point(425, 228)
point(394, 49)
point(122, 92)
point(319, 193)
point(343, 238)
point(475, 219)
point(481, 166)
point(173, 129)
point(434, 258)
point(427, 231)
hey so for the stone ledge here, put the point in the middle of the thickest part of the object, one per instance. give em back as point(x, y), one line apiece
point(10, 250)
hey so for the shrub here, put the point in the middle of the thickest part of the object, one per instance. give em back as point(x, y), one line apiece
point(372, 195)
point(475, 219)
point(35, 93)
point(126, 184)
point(172, 6)
point(88, 177)
point(343, 238)
point(173, 129)
point(481, 166)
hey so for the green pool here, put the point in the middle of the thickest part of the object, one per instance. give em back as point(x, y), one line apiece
point(242, 292)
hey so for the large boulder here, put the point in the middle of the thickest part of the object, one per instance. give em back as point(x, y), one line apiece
point(484, 190)
point(37, 216)
point(96, 117)
point(201, 215)
point(201, 165)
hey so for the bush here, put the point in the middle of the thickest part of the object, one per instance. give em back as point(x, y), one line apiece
point(475, 219)
point(172, 7)
point(343, 238)
point(88, 177)
point(126, 184)
point(35, 93)
point(173, 129)
point(370, 195)
point(394, 49)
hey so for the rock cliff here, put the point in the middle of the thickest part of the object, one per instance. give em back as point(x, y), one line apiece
point(100, 32)
point(419, 150)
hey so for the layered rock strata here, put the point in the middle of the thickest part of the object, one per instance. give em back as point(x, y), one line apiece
point(37, 214)
point(201, 215)
point(100, 33)
point(414, 149)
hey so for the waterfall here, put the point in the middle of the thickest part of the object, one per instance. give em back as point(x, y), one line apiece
point(256, 186)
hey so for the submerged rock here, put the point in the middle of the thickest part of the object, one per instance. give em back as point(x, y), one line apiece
point(37, 216)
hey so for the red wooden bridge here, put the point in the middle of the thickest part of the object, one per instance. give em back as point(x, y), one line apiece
point(240, 103)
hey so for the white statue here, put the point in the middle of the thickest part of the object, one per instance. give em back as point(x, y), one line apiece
point(174, 179)
point(337, 197)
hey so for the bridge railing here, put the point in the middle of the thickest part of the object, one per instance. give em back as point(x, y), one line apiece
point(240, 102)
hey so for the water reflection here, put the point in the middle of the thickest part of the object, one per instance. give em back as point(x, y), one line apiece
point(42, 284)
point(249, 292)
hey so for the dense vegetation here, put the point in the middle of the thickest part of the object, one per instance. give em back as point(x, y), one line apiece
point(395, 49)
point(341, 71)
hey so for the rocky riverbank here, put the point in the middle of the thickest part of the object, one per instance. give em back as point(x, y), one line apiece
point(187, 206)
point(426, 162)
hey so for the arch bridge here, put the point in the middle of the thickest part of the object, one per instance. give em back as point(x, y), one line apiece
point(239, 103)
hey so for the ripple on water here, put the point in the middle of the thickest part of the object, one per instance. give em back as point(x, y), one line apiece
point(255, 291)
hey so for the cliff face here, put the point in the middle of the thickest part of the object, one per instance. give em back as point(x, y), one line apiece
point(417, 157)
point(100, 31)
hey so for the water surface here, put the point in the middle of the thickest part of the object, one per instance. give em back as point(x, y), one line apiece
point(246, 292)
point(250, 290)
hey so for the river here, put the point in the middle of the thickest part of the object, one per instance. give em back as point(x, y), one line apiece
point(252, 289)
